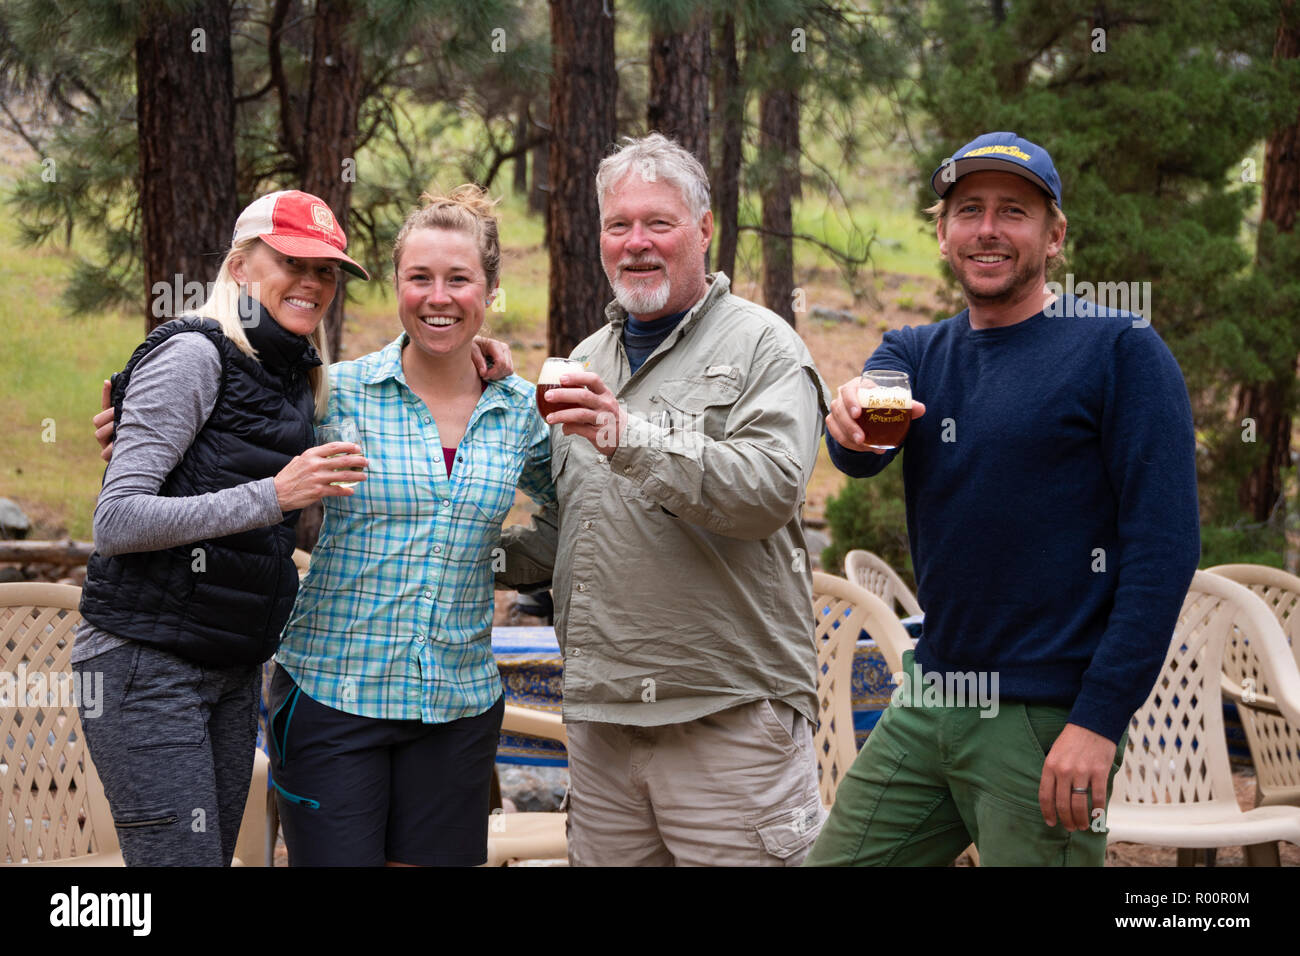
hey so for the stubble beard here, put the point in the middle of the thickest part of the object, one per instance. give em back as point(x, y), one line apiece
point(1022, 278)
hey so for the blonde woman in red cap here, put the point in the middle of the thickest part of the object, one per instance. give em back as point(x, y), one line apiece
point(192, 578)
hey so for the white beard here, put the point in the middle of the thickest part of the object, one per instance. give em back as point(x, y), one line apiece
point(641, 301)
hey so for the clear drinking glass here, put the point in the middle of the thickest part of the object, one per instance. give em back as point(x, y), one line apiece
point(549, 378)
point(886, 401)
point(345, 429)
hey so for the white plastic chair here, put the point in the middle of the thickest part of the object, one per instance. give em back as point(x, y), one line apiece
point(857, 609)
point(1273, 740)
point(529, 836)
point(872, 572)
point(50, 794)
point(841, 610)
point(1175, 786)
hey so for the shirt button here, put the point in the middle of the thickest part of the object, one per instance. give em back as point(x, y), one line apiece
point(582, 587)
point(437, 549)
point(627, 470)
point(602, 459)
point(576, 652)
point(428, 594)
point(437, 458)
point(427, 419)
point(586, 526)
point(446, 504)
point(419, 638)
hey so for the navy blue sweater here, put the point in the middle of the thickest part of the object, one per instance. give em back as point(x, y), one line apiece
point(1051, 503)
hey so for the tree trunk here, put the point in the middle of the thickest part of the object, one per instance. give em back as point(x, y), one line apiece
point(729, 102)
point(327, 157)
point(779, 146)
point(318, 130)
point(583, 90)
point(1268, 404)
point(1271, 403)
point(185, 116)
point(520, 184)
point(1281, 199)
point(678, 104)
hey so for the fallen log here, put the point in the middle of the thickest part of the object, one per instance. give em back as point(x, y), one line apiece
point(46, 552)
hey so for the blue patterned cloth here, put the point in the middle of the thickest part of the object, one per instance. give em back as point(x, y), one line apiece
point(533, 674)
point(394, 619)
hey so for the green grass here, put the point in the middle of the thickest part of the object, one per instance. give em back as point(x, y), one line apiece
point(51, 367)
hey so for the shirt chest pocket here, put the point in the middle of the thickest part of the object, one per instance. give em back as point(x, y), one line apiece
point(572, 465)
point(699, 403)
point(488, 471)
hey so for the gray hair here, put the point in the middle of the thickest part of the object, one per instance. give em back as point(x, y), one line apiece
point(656, 157)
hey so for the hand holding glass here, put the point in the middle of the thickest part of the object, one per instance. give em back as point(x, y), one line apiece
point(344, 429)
point(886, 401)
point(549, 378)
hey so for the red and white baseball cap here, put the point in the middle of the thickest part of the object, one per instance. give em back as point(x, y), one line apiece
point(296, 223)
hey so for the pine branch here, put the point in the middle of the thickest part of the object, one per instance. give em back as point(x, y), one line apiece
point(501, 158)
point(839, 255)
point(16, 126)
point(290, 133)
point(250, 97)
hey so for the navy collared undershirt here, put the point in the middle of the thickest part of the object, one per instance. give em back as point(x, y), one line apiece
point(640, 339)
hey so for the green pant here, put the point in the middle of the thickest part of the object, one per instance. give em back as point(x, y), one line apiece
point(933, 779)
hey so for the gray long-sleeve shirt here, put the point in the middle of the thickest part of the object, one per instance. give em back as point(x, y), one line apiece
point(168, 400)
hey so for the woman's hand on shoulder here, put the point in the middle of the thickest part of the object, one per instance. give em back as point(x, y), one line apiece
point(491, 358)
point(103, 423)
point(310, 476)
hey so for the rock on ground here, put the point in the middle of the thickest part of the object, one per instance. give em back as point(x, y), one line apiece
point(533, 789)
point(14, 522)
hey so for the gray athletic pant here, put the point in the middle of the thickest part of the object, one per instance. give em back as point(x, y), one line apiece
point(174, 749)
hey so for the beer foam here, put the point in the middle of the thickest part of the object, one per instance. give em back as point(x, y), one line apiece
point(551, 372)
point(879, 396)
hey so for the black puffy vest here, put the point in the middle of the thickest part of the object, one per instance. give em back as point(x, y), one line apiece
point(222, 601)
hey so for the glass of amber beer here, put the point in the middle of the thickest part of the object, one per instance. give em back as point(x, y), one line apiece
point(549, 378)
point(886, 401)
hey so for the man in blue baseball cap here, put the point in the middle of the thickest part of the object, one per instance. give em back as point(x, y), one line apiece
point(1000, 152)
point(1052, 515)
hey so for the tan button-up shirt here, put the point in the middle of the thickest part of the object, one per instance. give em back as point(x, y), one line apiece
point(682, 581)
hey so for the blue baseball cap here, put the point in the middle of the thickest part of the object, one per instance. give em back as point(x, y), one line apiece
point(1000, 152)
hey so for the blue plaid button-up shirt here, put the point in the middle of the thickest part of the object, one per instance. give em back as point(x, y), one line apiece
point(395, 618)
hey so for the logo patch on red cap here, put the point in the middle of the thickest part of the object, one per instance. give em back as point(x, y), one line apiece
point(321, 215)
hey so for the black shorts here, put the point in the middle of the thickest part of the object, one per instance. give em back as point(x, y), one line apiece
point(363, 791)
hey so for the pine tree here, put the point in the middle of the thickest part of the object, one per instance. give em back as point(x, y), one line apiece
point(1150, 115)
point(161, 68)
point(1270, 403)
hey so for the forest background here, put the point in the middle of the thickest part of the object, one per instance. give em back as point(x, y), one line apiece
point(133, 131)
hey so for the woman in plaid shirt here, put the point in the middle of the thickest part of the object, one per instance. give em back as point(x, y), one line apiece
point(386, 704)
